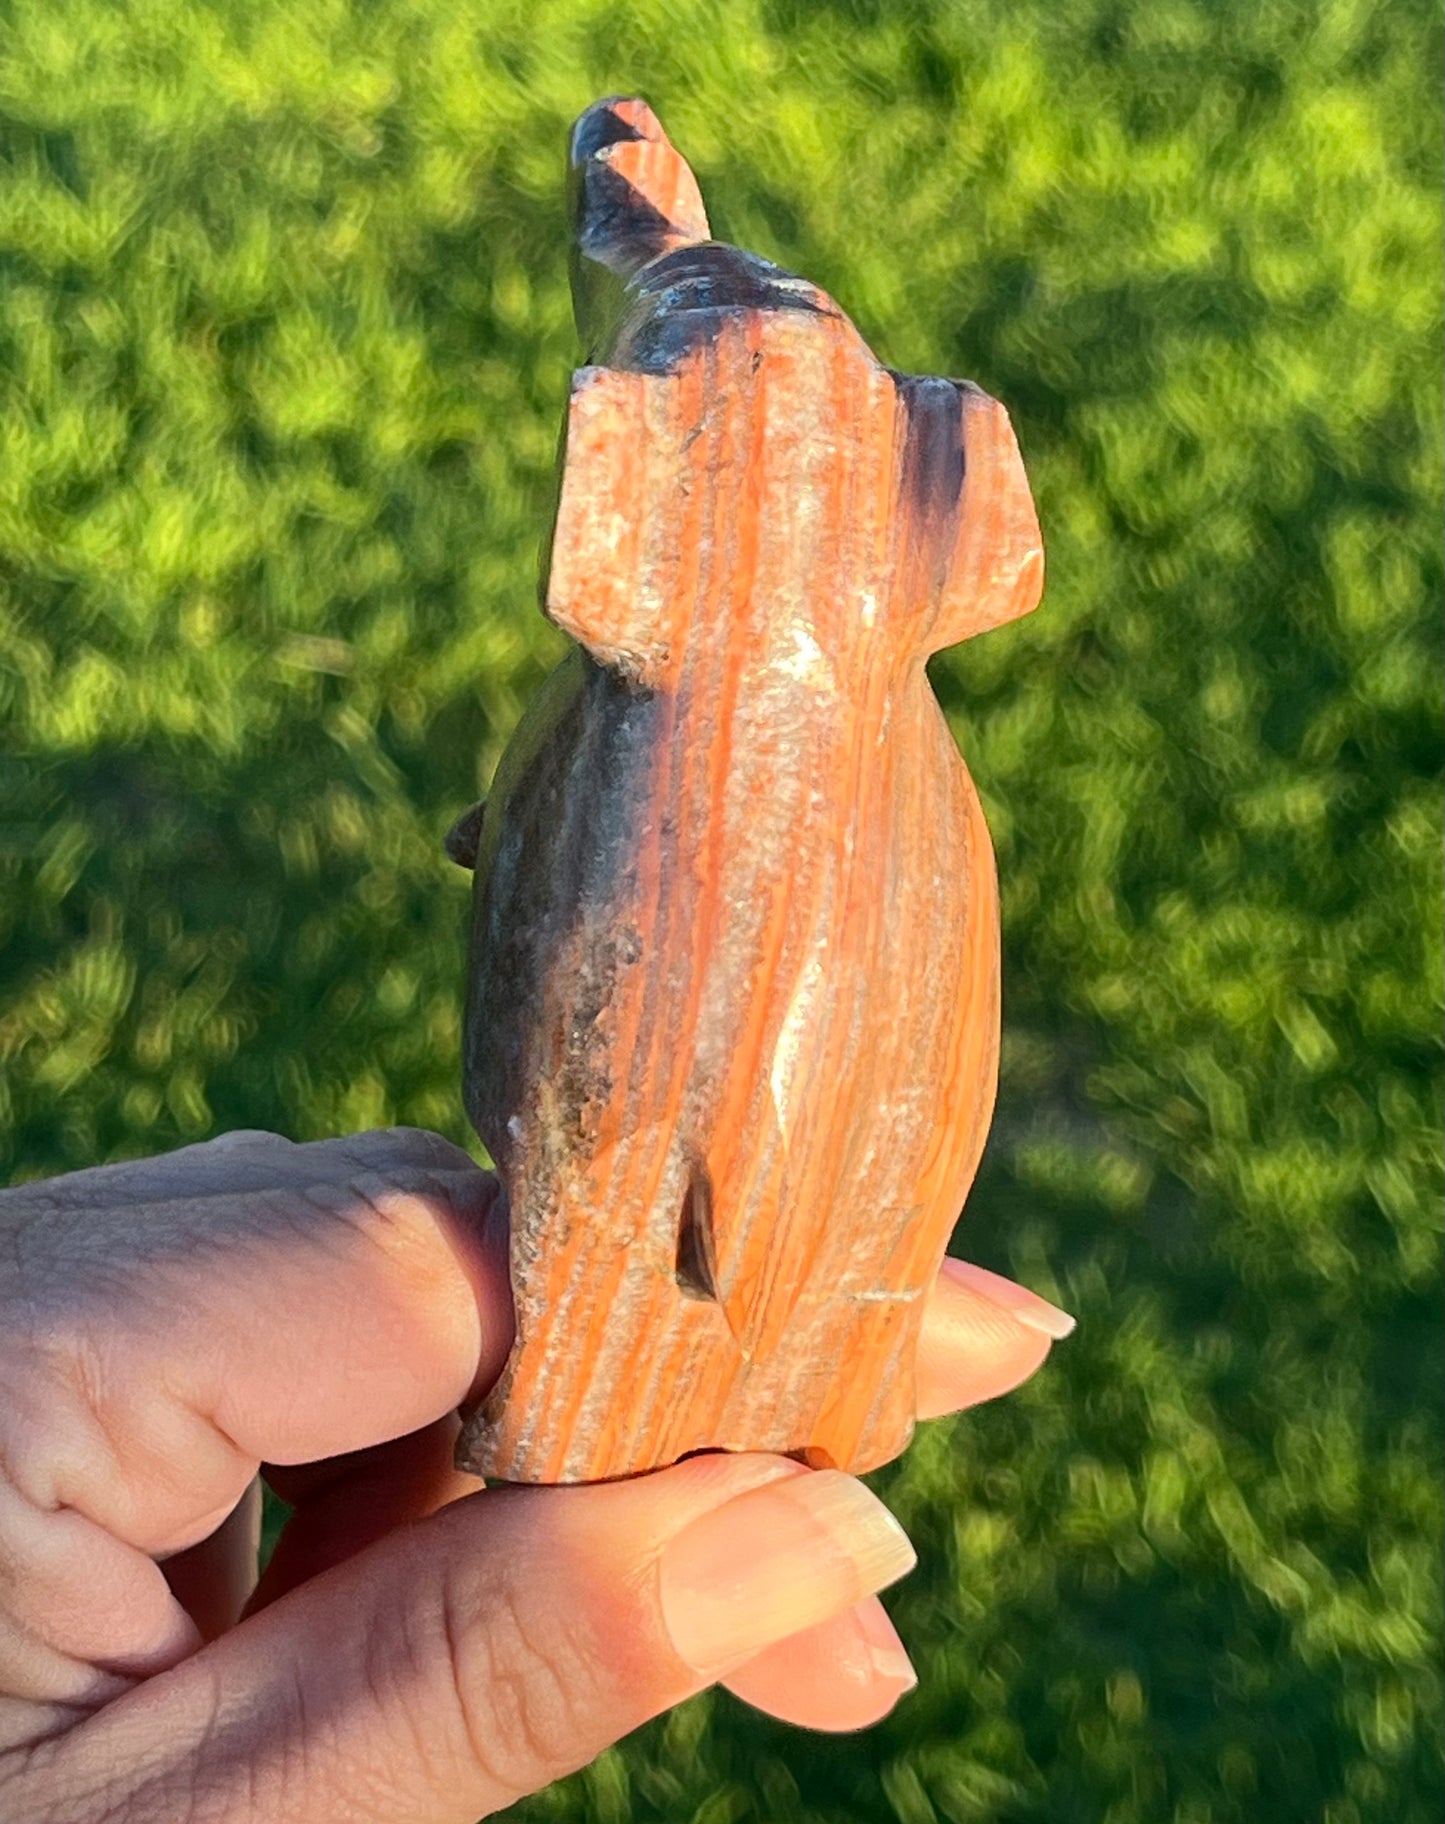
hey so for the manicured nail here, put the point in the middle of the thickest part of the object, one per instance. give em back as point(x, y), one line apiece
point(774, 1561)
point(1017, 1300)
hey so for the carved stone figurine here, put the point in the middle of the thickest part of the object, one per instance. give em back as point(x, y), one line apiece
point(732, 1021)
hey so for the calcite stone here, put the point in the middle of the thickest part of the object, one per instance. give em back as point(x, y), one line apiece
point(732, 1020)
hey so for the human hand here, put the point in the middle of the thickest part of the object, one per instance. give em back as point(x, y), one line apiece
point(417, 1650)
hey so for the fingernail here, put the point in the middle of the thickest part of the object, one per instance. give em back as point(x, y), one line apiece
point(774, 1561)
point(885, 1650)
point(1017, 1300)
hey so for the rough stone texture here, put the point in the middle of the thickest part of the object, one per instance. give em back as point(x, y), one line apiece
point(732, 1020)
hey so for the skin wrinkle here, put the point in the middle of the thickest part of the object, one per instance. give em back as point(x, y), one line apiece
point(394, 1238)
point(82, 1354)
point(38, 1476)
point(403, 1228)
point(104, 1685)
point(246, 1464)
point(401, 1239)
point(385, 1216)
point(78, 1360)
point(43, 1725)
point(478, 1731)
point(434, 1153)
point(30, 1758)
point(518, 1717)
point(86, 1787)
point(540, 1622)
point(142, 1629)
point(397, 1682)
point(297, 1745)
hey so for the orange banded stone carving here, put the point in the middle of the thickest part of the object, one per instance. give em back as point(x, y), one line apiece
point(732, 1019)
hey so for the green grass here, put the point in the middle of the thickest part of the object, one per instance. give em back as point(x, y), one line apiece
point(284, 340)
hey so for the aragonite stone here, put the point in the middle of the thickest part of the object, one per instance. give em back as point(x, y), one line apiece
point(732, 1021)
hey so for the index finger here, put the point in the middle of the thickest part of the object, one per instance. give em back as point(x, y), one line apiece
point(191, 1316)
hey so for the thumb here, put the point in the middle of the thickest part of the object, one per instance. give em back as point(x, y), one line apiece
point(475, 1656)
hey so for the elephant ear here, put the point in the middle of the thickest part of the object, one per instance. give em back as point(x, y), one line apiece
point(601, 584)
point(971, 555)
point(634, 199)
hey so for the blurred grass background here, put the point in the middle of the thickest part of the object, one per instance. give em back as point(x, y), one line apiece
point(284, 340)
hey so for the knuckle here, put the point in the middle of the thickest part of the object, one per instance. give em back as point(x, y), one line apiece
point(400, 1147)
point(523, 1694)
point(238, 1137)
point(473, 1195)
point(430, 1148)
point(31, 1788)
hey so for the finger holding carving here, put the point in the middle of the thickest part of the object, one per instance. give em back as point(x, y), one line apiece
point(170, 1324)
point(845, 1673)
point(475, 1656)
point(982, 1336)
